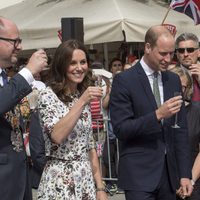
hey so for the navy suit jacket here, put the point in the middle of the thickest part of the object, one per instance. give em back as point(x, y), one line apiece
point(145, 142)
point(13, 166)
point(37, 149)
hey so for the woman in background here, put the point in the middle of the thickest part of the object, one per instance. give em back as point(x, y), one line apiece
point(72, 168)
point(193, 119)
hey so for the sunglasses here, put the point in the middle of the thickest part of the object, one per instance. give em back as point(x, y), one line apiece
point(15, 42)
point(189, 50)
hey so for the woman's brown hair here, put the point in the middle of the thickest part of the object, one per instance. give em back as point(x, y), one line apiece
point(62, 60)
point(189, 88)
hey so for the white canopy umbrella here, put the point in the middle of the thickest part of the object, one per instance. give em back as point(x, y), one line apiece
point(104, 20)
point(6, 3)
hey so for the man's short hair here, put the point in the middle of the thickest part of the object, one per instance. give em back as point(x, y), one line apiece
point(154, 32)
point(185, 37)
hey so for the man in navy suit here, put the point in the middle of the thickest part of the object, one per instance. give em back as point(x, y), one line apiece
point(37, 150)
point(154, 157)
point(13, 164)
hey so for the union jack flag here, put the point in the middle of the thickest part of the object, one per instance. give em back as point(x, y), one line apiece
point(190, 7)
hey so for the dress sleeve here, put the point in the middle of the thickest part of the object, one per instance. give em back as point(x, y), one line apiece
point(91, 141)
point(48, 107)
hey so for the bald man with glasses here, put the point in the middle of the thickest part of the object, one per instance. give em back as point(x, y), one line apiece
point(13, 161)
point(15, 42)
point(188, 53)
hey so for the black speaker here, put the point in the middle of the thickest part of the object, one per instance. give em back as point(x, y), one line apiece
point(72, 28)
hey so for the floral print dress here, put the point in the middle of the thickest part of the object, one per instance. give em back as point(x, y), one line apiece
point(67, 174)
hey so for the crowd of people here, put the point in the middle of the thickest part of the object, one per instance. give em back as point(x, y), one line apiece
point(50, 133)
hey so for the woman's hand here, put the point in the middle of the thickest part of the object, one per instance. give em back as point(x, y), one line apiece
point(91, 93)
point(101, 195)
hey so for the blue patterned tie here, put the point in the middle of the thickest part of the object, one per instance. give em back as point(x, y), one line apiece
point(4, 77)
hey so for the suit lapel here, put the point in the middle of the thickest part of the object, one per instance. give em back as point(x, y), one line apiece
point(146, 86)
point(166, 86)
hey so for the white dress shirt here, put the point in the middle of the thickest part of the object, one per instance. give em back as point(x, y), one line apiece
point(149, 72)
point(1, 79)
point(24, 72)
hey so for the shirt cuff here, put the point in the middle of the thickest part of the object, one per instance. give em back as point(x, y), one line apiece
point(27, 75)
point(192, 182)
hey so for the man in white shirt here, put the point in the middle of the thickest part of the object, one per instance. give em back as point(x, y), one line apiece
point(154, 156)
point(13, 166)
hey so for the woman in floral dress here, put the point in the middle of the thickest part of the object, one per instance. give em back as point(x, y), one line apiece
point(72, 170)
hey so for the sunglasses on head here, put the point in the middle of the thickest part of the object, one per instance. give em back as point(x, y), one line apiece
point(189, 50)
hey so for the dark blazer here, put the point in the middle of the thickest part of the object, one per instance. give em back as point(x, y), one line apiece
point(13, 165)
point(193, 119)
point(145, 142)
point(37, 149)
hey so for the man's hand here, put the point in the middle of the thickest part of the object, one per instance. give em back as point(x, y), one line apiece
point(195, 70)
point(185, 189)
point(37, 62)
point(169, 108)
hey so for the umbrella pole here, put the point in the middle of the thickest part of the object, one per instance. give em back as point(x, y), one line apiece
point(166, 15)
point(105, 52)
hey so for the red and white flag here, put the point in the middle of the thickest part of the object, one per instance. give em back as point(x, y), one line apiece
point(190, 7)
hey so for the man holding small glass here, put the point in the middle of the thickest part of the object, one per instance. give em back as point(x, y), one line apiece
point(14, 179)
point(143, 106)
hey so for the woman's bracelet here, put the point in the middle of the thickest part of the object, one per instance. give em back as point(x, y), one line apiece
point(100, 189)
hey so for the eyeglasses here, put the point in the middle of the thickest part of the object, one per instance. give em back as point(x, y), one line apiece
point(16, 41)
point(189, 50)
